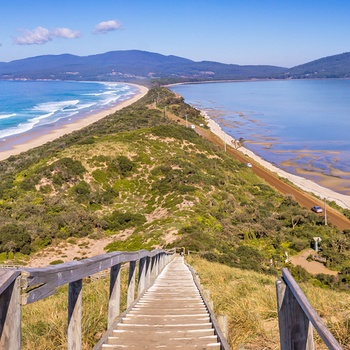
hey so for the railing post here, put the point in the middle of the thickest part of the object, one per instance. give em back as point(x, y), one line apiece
point(161, 263)
point(142, 276)
point(148, 272)
point(74, 315)
point(223, 323)
point(10, 316)
point(153, 268)
point(131, 283)
point(114, 294)
point(296, 331)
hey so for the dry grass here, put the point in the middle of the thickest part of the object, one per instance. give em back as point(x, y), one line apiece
point(44, 323)
point(248, 299)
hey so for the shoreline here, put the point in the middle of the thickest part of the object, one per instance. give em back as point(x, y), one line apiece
point(305, 184)
point(23, 142)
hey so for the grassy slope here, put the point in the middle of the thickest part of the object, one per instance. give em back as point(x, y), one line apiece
point(249, 300)
point(138, 172)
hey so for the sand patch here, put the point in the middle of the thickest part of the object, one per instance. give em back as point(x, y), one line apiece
point(64, 251)
point(312, 267)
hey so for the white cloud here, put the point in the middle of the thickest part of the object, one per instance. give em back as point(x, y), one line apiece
point(42, 35)
point(108, 26)
point(39, 35)
point(66, 33)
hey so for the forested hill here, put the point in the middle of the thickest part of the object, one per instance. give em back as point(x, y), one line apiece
point(337, 66)
point(138, 66)
point(131, 65)
point(147, 181)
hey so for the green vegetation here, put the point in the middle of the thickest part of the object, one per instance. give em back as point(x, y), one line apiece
point(147, 181)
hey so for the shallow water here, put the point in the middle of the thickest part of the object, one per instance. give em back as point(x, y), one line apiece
point(301, 126)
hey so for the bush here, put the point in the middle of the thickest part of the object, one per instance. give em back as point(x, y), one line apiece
point(56, 262)
point(120, 221)
point(299, 273)
point(15, 238)
point(81, 191)
point(122, 165)
point(65, 170)
point(248, 258)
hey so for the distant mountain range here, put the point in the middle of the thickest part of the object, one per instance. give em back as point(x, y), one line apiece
point(135, 65)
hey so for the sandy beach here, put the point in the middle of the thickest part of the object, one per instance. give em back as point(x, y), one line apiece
point(303, 183)
point(35, 138)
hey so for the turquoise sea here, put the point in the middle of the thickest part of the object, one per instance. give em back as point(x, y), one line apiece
point(28, 105)
point(301, 126)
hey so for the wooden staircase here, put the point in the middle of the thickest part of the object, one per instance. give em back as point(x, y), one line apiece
point(170, 315)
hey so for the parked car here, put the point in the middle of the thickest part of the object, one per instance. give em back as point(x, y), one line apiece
point(317, 209)
point(249, 165)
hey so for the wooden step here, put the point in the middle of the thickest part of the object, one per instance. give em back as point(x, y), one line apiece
point(170, 315)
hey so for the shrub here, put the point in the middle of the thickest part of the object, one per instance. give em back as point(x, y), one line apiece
point(66, 169)
point(56, 262)
point(81, 191)
point(15, 238)
point(122, 165)
point(125, 165)
point(120, 221)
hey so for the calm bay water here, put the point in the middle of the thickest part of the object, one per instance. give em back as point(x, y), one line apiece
point(302, 126)
point(26, 105)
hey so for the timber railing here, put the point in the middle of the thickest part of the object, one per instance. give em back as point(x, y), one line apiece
point(297, 318)
point(23, 286)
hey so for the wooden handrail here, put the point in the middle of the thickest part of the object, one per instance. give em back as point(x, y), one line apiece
point(39, 283)
point(296, 317)
point(10, 312)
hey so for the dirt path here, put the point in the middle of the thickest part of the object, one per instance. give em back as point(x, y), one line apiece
point(312, 267)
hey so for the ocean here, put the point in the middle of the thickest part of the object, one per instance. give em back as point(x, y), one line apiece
point(300, 126)
point(28, 105)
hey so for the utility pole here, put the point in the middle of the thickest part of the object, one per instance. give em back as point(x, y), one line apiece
point(325, 211)
point(186, 122)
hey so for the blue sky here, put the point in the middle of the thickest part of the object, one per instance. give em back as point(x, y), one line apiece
point(275, 32)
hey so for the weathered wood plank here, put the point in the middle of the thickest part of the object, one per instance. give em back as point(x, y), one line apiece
point(44, 281)
point(309, 311)
point(142, 276)
point(75, 315)
point(6, 278)
point(114, 294)
point(162, 317)
point(131, 283)
point(296, 331)
point(148, 272)
point(10, 312)
point(49, 278)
